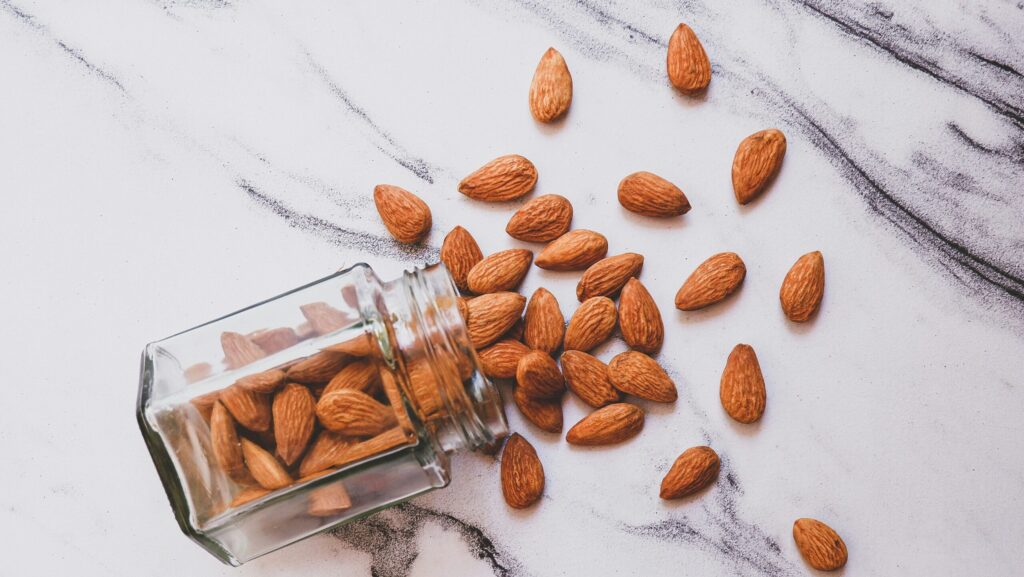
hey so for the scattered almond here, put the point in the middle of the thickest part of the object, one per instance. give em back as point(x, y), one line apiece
point(501, 271)
point(574, 250)
point(551, 89)
point(688, 66)
point(542, 219)
point(639, 375)
point(499, 361)
point(294, 413)
point(460, 253)
point(251, 410)
point(537, 375)
point(819, 544)
point(587, 377)
point(239, 350)
point(490, 315)
point(757, 161)
point(267, 471)
point(361, 375)
point(545, 413)
point(606, 277)
point(543, 324)
point(742, 388)
point(591, 324)
point(695, 469)
point(405, 215)
point(522, 475)
point(648, 194)
point(803, 287)
point(354, 413)
point(504, 178)
point(607, 425)
point(266, 382)
point(639, 318)
point(716, 278)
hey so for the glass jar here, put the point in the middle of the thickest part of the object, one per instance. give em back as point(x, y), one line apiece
point(314, 408)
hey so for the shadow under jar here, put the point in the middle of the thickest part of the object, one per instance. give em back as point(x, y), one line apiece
point(314, 408)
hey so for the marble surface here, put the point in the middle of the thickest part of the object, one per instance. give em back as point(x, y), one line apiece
point(165, 162)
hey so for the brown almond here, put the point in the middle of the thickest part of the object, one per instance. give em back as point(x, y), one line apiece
point(688, 66)
point(551, 89)
point(574, 250)
point(499, 361)
point(591, 324)
point(742, 387)
point(639, 375)
point(542, 219)
point(361, 375)
point(819, 544)
point(405, 215)
point(227, 450)
point(251, 410)
point(716, 278)
point(757, 161)
point(695, 469)
point(545, 413)
point(274, 340)
point(361, 346)
point(537, 375)
point(248, 494)
point(324, 318)
point(354, 413)
point(648, 194)
point(318, 368)
point(329, 500)
point(606, 277)
point(265, 383)
point(294, 418)
point(543, 324)
point(803, 287)
point(587, 377)
point(504, 178)
point(522, 475)
point(267, 471)
point(491, 315)
point(239, 350)
point(374, 446)
point(328, 449)
point(639, 318)
point(607, 425)
point(501, 271)
point(460, 253)
point(204, 404)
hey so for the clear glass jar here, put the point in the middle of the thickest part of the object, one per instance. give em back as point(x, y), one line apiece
point(249, 469)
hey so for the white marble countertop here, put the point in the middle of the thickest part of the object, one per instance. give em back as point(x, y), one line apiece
point(165, 162)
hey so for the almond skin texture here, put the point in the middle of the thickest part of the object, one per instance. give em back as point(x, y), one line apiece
point(318, 368)
point(757, 161)
point(695, 469)
point(361, 346)
point(639, 318)
point(587, 377)
point(294, 418)
point(264, 467)
point(460, 253)
point(327, 449)
point(354, 413)
point(543, 219)
point(266, 382)
point(803, 287)
point(543, 324)
point(491, 315)
point(250, 409)
point(819, 544)
point(522, 475)
point(742, 388)
point(551, 89)
point(504, 178)
point(405, 215)
point(651, 195)
point(501, 271)
point(574, 250)
point(607, 425)
point(224, 440)
point(545, 413)
point(639, 375)
point(591, 324)
point(537, 375)
point(606, 277)
point(716, 278)
point(688, 66)
point(499, 361)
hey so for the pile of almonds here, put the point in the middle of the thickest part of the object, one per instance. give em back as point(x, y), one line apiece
point(530, 342)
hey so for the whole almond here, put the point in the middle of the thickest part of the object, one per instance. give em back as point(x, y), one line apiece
point(803, 287)
point(504, 178)
point(361, 375)
point(819, 544)
point(545, 413)
point(363, 345)
point(574, 250)
point(405, 215)
point(499, 361)
point(251, 410)
point(460, 253)
point(648, 194)
point(324, 318)
point(274, 340)
point(742, 388)
point(501, 271)
point(688, 67)
point(639, 375)
point(542, 219)
point(329, 500)
point(318, 368)
point(639, 318)
point(248, 494)
point(537, 375)
point(354, 413)
point(591, 324)
point(294, 418)
point(695, 469)
point(522, 475)
point(543, 324)
point(716, 278)
point(607, 425)
point(490, 315)
point(267, 471)
point(227, 450)
point(606, 277)
point(551, 89)
point(587, 377)
point(328, 449)
point(757, 161)
point(266, 382)
point(239, 350)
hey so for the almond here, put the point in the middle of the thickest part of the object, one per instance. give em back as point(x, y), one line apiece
point(227, 450)
point(354, 413)
point(537, 375)
point(716, 278)
point(361, 346)
point(318, 368)
point(328, 449)
point(522, 475)
point(501, 271)
point(499, 361)
point(819, 544)
point(267, 471)
point(688, 67)
point(197, 372)
point(648, 194)
point(204, 404)
point(248, 494)
point(463, 305)
point(695, 469)
point(545, 413)
point(490, 315)
point(294, 418)
point(551, 89)
point(504, 178)
point(543, 324)
point(250, 409)
point(266, 382)
point(639, 318)
point(324, 318)
point(607, 425)
point(639, 375)
point(543, 219)
point(329, 500)
point(239, 350)
point(742, 388)
point(460, 253)
point(574, 250)
point(361, 376)
point(405, 215)
point(803, 287)
point(606, 277)
point(757, 161)
point(371, 447)
point(587, 377)
point(275, 340)
point(591, 324)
